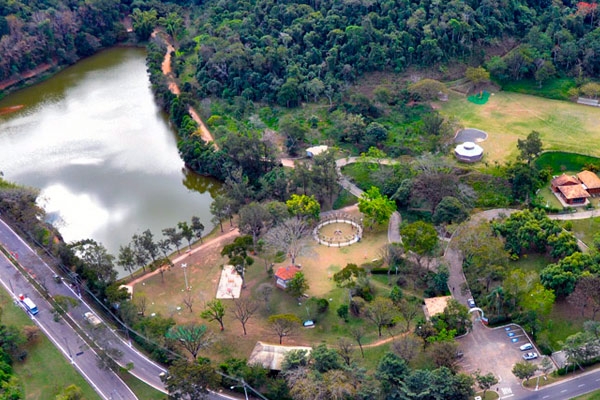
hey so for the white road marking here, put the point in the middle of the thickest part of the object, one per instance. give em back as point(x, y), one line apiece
point(545, 397)
point(562, 391)
point(506, 397)
point(582, 385)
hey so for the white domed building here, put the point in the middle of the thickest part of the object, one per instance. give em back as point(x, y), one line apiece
point(468, 152)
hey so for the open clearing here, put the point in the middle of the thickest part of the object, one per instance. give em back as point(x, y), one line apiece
point(507, 117)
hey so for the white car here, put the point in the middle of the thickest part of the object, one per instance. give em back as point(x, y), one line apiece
point(526, 346)
point(529, 356)
point(471, 303)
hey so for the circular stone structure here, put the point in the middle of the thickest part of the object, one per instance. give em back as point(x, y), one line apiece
point(468, 152)
point(338, 230)
point(470, 135)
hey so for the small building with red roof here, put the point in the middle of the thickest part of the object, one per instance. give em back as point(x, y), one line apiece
point(284, 275)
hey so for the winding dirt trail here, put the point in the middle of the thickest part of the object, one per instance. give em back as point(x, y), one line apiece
point(174, 88)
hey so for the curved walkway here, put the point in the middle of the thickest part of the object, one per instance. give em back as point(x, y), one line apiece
point(395, 219)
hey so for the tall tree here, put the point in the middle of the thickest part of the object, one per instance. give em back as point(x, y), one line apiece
point(348, 278)
point(524, 370)
point(126, 258)
point(214, 311)
point(298, 285)
point(377, 208)
point(380, 312)
point(290, 237)
point(485, 382)
point(187, 380)
point(174, 237)
point(192, 337)
point(197, 227)
point(530, 148)
point(243, 310)
point(97, 259)
point(186, 232)
point(220, 208)
point(420, 238)
point(139, 250)
point(284, 325)
point(302, 206)
point(253, 219)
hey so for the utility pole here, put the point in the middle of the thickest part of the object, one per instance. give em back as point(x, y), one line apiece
point(184, 266)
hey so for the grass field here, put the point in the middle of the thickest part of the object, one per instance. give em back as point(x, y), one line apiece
point(585, 229)
point(569, 163)
point(508, 116)
point(45, 371)
point(319, 264)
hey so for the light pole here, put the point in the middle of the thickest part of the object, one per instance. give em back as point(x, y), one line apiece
point(242, 385)
point(184, 266)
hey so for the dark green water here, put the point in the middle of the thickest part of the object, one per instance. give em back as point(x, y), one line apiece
point(101, 151)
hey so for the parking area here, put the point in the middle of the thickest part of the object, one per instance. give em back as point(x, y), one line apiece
point(497, 351)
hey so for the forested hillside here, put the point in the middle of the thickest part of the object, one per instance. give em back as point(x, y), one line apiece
point(289, 51)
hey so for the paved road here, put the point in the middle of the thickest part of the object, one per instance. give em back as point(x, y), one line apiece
point(65, 338)
point(106, 383)
point(144, 368)
point(582, 384)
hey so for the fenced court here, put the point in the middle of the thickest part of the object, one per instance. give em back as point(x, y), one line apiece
point(338, 230)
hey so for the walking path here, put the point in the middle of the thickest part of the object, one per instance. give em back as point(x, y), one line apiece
point(174, 88)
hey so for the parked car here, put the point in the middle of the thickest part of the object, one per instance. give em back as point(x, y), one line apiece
point(471, 303)
point(529, 356)
point(308, 324)
point(526, 346)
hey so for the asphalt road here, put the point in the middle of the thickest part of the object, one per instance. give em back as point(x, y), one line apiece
point(106, 383)
point(63, 336)
point(582, 384)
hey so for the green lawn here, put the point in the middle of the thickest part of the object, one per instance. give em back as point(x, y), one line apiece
point(549, 198)
point(585, 229)
point(557, 89)
point(508, 116)
point(530, 263)
point(559, 162)
point(45, 371)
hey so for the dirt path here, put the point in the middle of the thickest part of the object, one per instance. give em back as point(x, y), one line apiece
point(204, 248)
point(174, 88)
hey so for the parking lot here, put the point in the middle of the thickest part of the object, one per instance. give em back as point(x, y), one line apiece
point(497, 351)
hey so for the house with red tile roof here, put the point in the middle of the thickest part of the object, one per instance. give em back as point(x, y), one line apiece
point(284, 275)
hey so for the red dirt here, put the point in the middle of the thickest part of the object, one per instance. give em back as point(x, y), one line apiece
point(26, 75)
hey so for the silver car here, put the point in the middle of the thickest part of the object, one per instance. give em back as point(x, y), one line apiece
point(529, 356)
point(526, 346)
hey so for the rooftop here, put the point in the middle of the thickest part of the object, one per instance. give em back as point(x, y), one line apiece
point(589, 179)
point(573, 192)
point(468, 149)
point(271, 356)
point(287, 273)
point(436, 305)
point(564, 179)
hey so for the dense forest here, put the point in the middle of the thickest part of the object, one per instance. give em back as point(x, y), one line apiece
point(290, 51)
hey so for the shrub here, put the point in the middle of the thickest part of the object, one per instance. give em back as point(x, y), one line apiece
point(322, 305)
point(342, 312)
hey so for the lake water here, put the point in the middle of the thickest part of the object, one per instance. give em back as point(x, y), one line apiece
point(103, 154)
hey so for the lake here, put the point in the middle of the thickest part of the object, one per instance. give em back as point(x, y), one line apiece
point(101, 151)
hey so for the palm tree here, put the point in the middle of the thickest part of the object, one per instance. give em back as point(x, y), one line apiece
point(496, 299)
